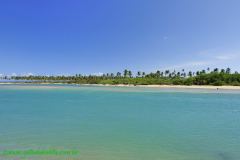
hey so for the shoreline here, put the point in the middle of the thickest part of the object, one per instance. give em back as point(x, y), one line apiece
point(169, 86)
point(142, 86)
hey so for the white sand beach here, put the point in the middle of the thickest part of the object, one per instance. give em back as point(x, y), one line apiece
point(131, 85)
point(172, 86)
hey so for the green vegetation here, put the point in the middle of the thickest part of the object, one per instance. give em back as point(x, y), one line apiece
point(204, 77)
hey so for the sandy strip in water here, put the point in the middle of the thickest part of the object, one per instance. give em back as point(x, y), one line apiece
point(45, 85)
point(171, 86)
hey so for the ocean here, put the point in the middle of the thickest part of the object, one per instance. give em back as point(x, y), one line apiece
point(119, 123)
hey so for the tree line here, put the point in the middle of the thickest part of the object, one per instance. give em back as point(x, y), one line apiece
point(203, 77)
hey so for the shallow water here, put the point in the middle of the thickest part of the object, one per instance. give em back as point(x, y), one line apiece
point(121, 123)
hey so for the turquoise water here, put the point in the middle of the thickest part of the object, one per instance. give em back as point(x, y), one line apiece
point(111, 123)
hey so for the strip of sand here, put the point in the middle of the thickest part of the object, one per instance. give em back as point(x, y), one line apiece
point(147, 86)
point(171, 86)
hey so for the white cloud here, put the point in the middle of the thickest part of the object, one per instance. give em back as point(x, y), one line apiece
point(30, 74)
point(188, 65)
point(13, 74)
point(24, 74)
point(217, 54)
point(97, 74)
point(212, 58)
point(227, 56)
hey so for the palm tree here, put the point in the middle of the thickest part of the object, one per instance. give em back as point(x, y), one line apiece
point(166, 72)
point(143, 74)
point(139, 74)
point(112, 75)
point(161, 74)
point(228, 70)
point(158, 73)
point(130, 73)
point(222, 70)
point(215, 70)
point(208, 69)
point(184, 74)
point(125, 73)
point(118, 74)
point(190, 73)
point(183, 71)
point(174, 71)
point(178, 74)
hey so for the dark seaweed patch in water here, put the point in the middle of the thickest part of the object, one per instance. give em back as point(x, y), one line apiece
point(225, 156)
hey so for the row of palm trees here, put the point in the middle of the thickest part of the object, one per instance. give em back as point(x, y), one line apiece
point(166, 73)
point(129, 74)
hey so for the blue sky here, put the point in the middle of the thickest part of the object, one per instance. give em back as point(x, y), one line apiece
point(76, 36)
